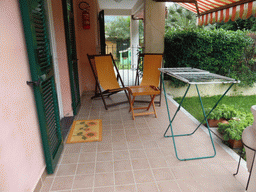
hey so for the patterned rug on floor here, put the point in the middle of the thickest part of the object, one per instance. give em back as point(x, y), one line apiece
point(85, 131)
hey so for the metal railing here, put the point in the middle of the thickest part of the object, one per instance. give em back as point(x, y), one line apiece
point(127, 61)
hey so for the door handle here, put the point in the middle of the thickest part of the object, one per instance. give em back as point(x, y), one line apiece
point(32, 83)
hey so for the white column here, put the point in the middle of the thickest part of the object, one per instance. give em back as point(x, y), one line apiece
point(134, 42)
point(154, 30)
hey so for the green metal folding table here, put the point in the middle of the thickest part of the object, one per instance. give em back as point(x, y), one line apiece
point(194, 76)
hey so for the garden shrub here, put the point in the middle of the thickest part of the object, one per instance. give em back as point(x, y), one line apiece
point(235, 126)
point(218, 51)
point(222, 111)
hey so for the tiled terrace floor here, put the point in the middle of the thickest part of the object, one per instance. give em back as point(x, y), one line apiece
point(134, 156)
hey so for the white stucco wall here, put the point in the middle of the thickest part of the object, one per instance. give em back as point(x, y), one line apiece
point(154, 26)
point(209, 90)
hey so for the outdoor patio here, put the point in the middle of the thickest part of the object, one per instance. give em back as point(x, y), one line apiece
point(134, 156)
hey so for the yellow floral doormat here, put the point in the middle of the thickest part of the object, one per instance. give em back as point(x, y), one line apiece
point(85, 131)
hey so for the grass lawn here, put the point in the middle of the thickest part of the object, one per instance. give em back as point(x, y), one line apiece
point(192, 104)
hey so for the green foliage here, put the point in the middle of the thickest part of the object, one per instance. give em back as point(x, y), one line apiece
point(240, 103)
point(218, 51)
point(245, 70)
point(180, 18)
point(222, 111)
point(118, 29)
point(248, 24)
point(244, 74)
point(235, 126)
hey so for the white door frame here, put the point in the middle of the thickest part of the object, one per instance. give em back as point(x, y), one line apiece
point(54, 56)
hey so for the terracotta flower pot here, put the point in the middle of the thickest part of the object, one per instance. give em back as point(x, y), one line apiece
point(235, 144)
point(214, 122)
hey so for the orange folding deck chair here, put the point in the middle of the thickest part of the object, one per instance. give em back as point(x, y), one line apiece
point(150, 62)
point(106, 78)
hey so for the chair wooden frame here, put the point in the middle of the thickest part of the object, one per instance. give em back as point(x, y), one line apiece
point(134, 91)
point(142, 55)
point(108, 91)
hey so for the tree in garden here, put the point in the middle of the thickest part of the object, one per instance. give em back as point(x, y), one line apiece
point(119, 29)
point(180, 18)
point(240, 24)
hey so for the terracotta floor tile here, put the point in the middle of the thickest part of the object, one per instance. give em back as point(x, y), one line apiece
point(72, 148)
point(133, 145)
point(67, 169)
point(157, 162)
point(149, 144)
point(143, 176)
point(104, 147)
point(131, 132)
point(124, 178)
point(105, 189)
point(62, 183)
point(155, 152)
point(209, 184)
point(82, 190)
point(70, 158)
point(199, 170)
point(181, 173)
point(121, 145)
point(83, 181)
point(118, 155)
point(152, 187)
point(88, 147)
point(104, 166)
point(104, 179)
point(87, 157)
point(47, 184)
point(126, 188)
point(137, 154)
point(140, 164)
point(134, 156)
point(189, 185)
point(85, 168)
point(162, 174)
point(168, 186)
point(104, 156)
point(122, 165)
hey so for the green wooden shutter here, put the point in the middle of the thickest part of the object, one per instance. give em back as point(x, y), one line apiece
point(71, 52)
point(43, 82)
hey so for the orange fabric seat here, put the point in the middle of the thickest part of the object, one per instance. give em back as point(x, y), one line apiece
point(106, 80)
point(150, 63)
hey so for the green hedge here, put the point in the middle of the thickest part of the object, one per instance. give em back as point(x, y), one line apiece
point(218, 51)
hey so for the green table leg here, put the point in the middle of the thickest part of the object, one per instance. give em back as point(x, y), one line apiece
point(205, 119)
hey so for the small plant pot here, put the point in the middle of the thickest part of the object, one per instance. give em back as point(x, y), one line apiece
point(214, 122)
point(235, 144)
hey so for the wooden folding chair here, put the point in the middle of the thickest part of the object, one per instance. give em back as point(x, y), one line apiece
point(135, 91)
point(106, 78)
point(150, 63)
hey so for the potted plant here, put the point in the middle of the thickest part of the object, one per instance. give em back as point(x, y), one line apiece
point(221, 113)
point(232, 132)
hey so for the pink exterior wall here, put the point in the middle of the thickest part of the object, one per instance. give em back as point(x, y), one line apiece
point(62, 57)
point(21, 156)
point(87, 43)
